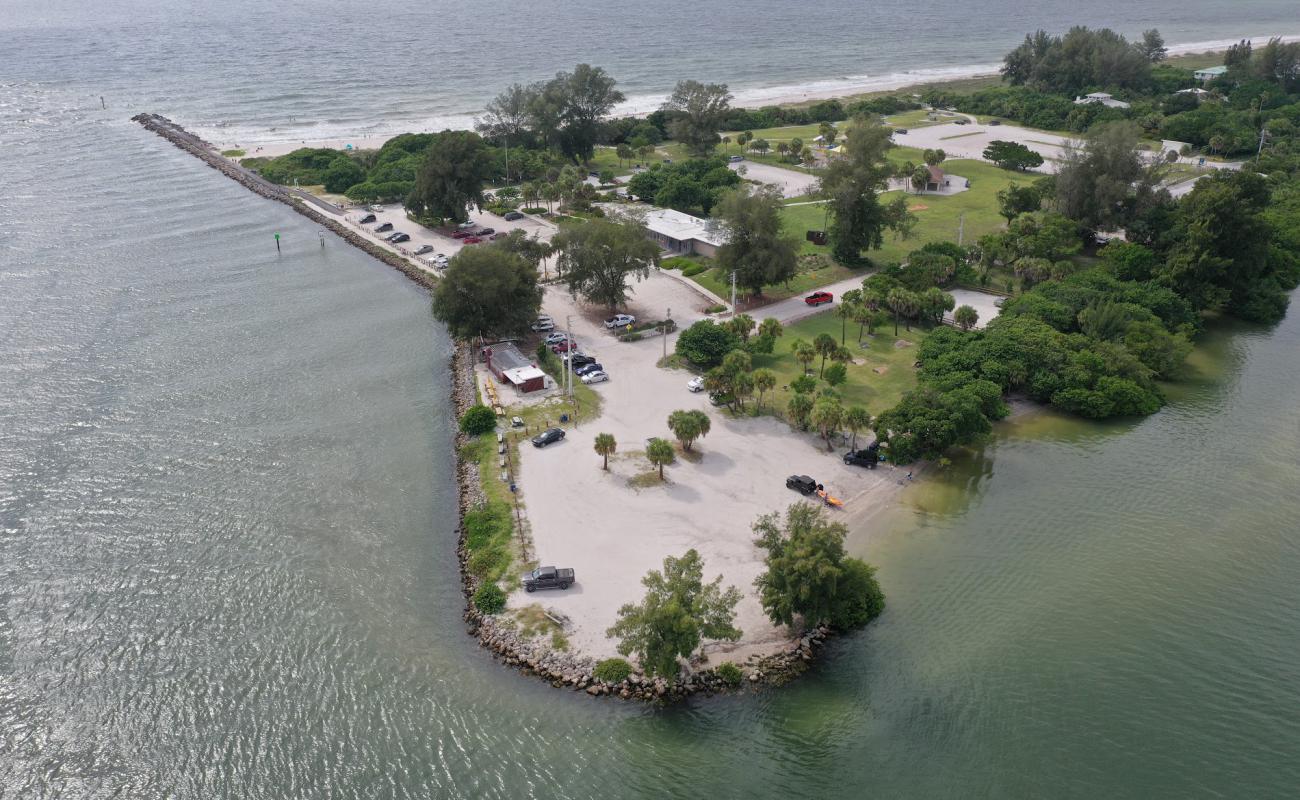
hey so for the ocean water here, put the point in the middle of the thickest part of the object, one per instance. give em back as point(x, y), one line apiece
point(227, 513)
point(250, 71)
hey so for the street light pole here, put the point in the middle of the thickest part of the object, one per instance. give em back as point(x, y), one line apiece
point(568, 364)
point(733, 293)
point(670, 316)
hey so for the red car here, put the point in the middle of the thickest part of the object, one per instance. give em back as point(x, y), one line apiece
point(471, 240)
point(817, 298)
point(564, 347)
point(461, 234)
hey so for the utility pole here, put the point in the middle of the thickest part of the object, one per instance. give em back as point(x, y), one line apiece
point(961, 228)
point(1263, 134)
point(568, 364)
point(733, 293)
point(670, 316)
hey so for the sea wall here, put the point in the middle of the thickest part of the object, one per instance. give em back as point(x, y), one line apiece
point(560, 669)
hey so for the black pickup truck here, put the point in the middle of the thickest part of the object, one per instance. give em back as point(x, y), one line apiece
point(548, 578)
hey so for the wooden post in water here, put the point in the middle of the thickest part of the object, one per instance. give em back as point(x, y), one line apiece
point(277, 243)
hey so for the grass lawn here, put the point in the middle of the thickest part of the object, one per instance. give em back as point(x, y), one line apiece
point(719, 282)
point(878, 382)
point(937, 217)
point(607, 157)
point(919, 118)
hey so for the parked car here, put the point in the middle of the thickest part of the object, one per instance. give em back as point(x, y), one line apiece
point(398, 238)
point(387, 226)
point(578, 360)
point(424, 248)
point(563, 347)
point(819, 298)
point(548, 578)
point(595, 377)
point(801, 483)
point(995, 122)
point(736, 159)
point(485, 231)
point(542, 325)
point(863, 458)
point(511, 216)
point(376, 208)
point(590, 366)
point(962, 121)
point(721, 398)
point(696, 384)
point(557, 337)
point(548, 436)
point(901, 130)
point(466, 225)
point(471, 240)
point(620, 321)
point(367, 219)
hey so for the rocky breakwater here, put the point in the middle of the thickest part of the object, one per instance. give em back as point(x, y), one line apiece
point(255, 183)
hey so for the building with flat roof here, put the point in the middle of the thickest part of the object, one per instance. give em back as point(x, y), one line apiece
point(682, 234)
point(1209, 73)
point(1103, 98)
point(512, 368)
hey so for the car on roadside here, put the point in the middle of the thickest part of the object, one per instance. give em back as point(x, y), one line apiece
point(397, 238)
point(511, 216)
point(901, 130)
point(367, 219)
point(471, 240)
point(542, 325)
point(819, 298)
point(564, 347)
point(867, 457)
point(556, 337)
point(736, 159)
point(590, 366)
point(460, 234)
point(424, 248)
point(485, 232)
point(548, 578)
point(620, 321)
point(995, 122)
point(802, 484)
point(962, 121)
point(598, 376)
point(548, 436)
point(578, 360)
point(387, 226)
point(466, 225)
point(696, 384)
point(376, 208)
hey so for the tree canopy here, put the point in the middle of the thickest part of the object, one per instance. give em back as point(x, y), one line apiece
point(487, 291)
point(596, 259)
point(678, 612)
point(695, 113)
point(756, 247)
point(452, 177)
point(851, 186)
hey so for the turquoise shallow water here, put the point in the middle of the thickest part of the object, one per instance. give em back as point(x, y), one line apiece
point(226, 531)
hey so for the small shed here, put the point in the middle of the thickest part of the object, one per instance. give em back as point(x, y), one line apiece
point(1209, 73)
point(937, 179)
point(510, 366)
point(526, 379)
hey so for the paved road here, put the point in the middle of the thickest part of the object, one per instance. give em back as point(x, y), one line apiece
point(792, 183)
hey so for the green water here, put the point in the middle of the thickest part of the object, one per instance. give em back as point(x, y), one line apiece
point(227, 528)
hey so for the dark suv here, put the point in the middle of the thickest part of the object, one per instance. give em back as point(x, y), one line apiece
point(863, 458)
point(801, 483)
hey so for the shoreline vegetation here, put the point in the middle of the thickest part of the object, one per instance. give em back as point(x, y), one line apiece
point(1091, 276)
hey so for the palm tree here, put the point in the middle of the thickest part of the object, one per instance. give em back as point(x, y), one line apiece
point(771, 327)
point(726, 144)
point(761, 146)
point(808, 157)
point(856, 418)
point(863, 315)
point(530, 194)
point(624, 152)
point(920, 178)
point(965, 317)
point(825, 345)
point(799, 407)
point(660, 452)
point(764, 381)
point(688, 426)
point(803, 353)
point(846, 311)
point(902, 303)
point(782, 148)
point(827, 414)
point(605, 445)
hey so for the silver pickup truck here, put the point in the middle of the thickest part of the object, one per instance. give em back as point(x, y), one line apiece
point(548, 578)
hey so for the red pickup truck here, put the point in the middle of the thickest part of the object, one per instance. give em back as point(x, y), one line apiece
point(817, 298)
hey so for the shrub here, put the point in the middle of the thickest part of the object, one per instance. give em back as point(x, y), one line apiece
point(612, 670)
point(693, 270)
point(677, 262)
point(478, 420)
point(489, 562)
point(705, 343)
point(486, 523)
point(730, 673)
point(716, 308)
point(858, 596)
point(630, 337)
point(490, 599)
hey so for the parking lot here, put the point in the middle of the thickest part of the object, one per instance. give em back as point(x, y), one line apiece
point(395, 214)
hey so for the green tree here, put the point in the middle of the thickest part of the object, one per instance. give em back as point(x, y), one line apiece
point(688, 426)
point(455, 169)
point(835, 375)
point(1012, 155)
point(827, 414)
point(679, 610)
point(705, 343)
point(807, 574)
point(933, 158)
point(856, 418)
point(825, 345)
point(742, 325)
point(920, 178)
point(695, 112)
point(799, 409)
point(1016, 200)
point(757, 248)
point(904, 304)
point(1153, 47)
point(477, 420)
point(624, 152)
point(597, 258)
point(487, 290)
point(851, 187)
point(660, 453)
point(1105, 184)
point(803, 352)
point(771, 327)
point(567, 110)
point(760, 146)
point(605, 446)
point(965, 317)
point(846, 311)
point(764, 382)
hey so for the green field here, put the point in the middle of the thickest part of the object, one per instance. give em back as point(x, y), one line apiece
point(878, 382)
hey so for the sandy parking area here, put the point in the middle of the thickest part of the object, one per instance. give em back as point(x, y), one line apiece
point(612, 532)
point(792, 182)
point(969, 141)
point(396, 214)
